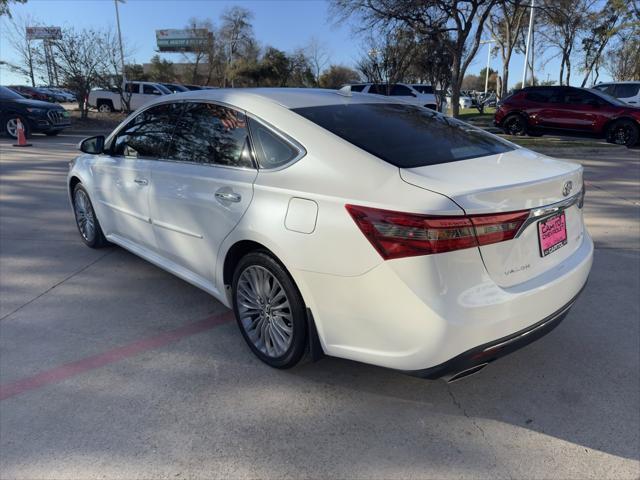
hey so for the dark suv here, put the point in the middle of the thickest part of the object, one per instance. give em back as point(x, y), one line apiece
point(36, 116)
point(535, 110)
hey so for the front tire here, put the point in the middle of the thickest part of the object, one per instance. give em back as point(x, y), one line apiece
point(11, 126)
point(105, 106)
point(623, 132)
point(269, 310)
point(86, 219)
point(515, 124)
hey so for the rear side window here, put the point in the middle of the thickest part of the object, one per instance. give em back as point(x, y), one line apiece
point(379, 89)
point(272, 151)
point(149, 134)
point(423, 88)
point(132, 88)
point(608, 89)
point(406, 136)
point(357, 88)
point(625, 90)
point(211, 134)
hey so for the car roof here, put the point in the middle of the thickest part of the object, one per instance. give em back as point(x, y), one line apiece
point(289, 98)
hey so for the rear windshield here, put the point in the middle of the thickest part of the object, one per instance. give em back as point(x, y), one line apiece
point(406, 136)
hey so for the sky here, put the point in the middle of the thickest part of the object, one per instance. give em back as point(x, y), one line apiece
point(283, 24)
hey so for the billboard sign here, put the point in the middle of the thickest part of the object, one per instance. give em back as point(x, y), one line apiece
point(172, 40)
point(44, 33)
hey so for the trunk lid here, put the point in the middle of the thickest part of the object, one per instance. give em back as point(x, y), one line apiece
point(512, 181)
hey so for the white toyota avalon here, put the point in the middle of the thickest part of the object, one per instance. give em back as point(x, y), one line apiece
point(343, 224)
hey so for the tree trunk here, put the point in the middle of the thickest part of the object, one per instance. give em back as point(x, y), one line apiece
point(505, 80)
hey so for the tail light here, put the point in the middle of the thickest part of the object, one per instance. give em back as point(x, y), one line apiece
point(398, 234)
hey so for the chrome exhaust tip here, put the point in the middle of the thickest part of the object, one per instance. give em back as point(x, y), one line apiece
point(465, 373)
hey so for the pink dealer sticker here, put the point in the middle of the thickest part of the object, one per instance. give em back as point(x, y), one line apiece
point(552, 233)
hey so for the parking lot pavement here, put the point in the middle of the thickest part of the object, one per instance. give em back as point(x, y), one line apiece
point(110, 367)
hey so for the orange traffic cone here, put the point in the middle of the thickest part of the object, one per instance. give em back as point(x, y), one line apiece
point(22, 139)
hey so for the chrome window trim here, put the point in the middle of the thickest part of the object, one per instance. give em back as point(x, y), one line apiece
point(540, 213)
point(143, 109)
point(286, 138)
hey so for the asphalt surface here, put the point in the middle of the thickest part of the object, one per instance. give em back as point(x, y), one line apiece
point(112, 368)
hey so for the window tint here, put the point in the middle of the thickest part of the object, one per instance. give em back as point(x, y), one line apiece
point(545, 95)
point(149, 134)
point(357, 88)
point(400, 91)
point(271, 150)
point(132, 88)
point(406, 136)
point(211, 134)
point(579, 97)
point(379, 89)
point(150, 90)
point(423, 88)
point(625, 90)
point(608, 89)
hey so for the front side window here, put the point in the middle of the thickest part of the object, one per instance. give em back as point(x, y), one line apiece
point(357, 88)
point(150, 90)
point(211, 134)
point(578, 97)
point(272, 151)
point(148, 135)
point(403, 135)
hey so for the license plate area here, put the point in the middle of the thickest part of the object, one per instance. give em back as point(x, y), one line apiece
point(552, 234)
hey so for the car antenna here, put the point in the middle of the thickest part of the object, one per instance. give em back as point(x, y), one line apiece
point(345, 91)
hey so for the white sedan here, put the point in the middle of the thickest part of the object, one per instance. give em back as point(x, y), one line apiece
point(343, 224)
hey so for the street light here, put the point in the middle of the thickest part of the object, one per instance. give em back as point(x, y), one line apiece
point(526, 54)
point(486, 75)
point(120, 41)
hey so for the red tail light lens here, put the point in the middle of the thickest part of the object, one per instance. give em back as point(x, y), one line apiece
point(398, 234)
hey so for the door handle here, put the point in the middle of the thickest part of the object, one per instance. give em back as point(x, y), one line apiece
point(228, 196)
point(141, 181)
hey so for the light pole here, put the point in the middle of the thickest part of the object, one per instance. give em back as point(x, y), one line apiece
point(526, 54)
point(486, 75)
point(121, 49)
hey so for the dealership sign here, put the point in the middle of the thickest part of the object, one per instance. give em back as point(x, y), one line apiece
point(44, 33)
point(172, 40)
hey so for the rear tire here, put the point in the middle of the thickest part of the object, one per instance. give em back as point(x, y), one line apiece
point(105, 106)
point(86, 219)
point(269, 309)
point(623, 132)
point(515, 124)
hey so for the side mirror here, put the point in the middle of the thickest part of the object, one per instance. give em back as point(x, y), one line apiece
point(92, 145)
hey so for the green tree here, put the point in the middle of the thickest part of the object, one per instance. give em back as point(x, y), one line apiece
point(338, 75)
point(161, 70)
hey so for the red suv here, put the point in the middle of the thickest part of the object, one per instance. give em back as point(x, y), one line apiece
point(535, 110)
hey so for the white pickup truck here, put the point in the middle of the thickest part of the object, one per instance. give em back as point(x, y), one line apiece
point(141, 93)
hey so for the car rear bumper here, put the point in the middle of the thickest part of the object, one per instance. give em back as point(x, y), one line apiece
point(488, 352)
point(429, 314)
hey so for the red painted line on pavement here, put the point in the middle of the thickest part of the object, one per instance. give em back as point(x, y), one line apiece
point(72, 369)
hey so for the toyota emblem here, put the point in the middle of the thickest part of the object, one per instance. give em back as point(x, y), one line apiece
point(566, 188)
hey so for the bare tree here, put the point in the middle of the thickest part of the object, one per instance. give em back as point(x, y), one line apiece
point(623, 59)
point(81, 60)
point(614, 17)
point(387, 58)
point(338, 75)
point(505, 23)
point(462, 21)
point(4, 6)
point(199, 51)
point(564, 23)
point(318, 57)
point(236, 33)
point(29, 54)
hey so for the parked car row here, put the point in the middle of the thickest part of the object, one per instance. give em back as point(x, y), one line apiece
point(136, 93)
point(417, 94)
point(44, 94)
point(538, 110)
point(35, 115)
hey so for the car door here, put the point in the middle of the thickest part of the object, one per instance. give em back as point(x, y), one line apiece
point(581, 110)
point(546, 107)
point(122, 176)
point(149, 93)
point(203, 187)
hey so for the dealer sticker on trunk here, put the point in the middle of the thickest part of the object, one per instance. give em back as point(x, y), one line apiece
point(552, 233)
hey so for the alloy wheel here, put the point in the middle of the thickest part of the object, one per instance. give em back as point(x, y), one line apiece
point(264, 311)
point(621, 135)
point(515, 126)
point(85, 217)
point(104, 108)
point(12, 127)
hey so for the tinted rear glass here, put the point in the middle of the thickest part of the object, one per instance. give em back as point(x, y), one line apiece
point(405, 135)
